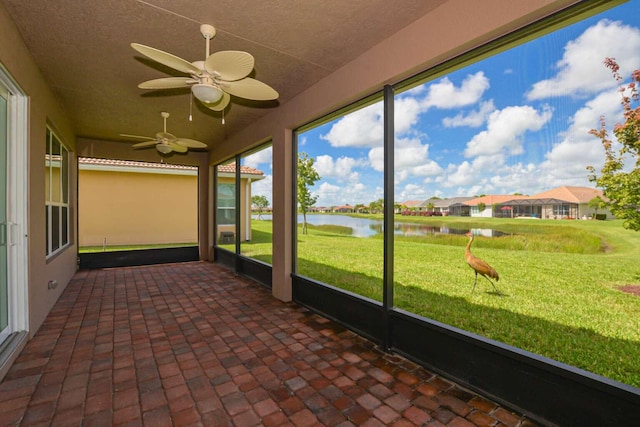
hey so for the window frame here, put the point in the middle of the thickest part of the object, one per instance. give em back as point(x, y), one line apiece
point(58, 204)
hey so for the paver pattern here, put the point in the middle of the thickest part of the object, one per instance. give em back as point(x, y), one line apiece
point(193, 344)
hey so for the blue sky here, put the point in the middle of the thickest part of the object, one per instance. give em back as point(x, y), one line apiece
point(516, 122)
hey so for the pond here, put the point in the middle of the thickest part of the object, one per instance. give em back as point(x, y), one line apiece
point(366, 227)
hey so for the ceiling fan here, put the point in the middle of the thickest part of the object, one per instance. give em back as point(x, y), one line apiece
point(165, 142)
point(213, 80)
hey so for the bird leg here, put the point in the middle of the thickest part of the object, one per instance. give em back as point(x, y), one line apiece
point(475, 282)
point(494, 286)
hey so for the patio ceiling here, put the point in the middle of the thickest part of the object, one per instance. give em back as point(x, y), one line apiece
point(83, 51)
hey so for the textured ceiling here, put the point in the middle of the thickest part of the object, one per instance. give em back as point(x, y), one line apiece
point(83, 50)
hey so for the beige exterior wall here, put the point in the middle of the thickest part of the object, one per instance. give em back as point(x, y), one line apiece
point(127, 208)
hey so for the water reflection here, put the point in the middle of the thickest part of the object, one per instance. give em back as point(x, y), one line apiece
point(366, 227)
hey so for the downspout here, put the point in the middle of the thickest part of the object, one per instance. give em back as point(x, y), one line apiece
point(247, 191)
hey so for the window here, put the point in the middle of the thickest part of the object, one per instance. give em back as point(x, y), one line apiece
point(506, 126)
point(508, 132)
point(226, 204)
point(57, 194)
point(339, 230)
point(256, 184)
point(561, 210)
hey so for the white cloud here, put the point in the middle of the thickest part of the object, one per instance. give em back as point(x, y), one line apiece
point(263, 187)
point(356, 192)
point(463, 174)
point(262, 157)
point(505, 130)
point(341, 169)
point(411, 192)
point(475, 118)
point(444, 94)
point(362, 128)
point(566, 162)
point(411, 158)
point(581, 70)
point(406, 112)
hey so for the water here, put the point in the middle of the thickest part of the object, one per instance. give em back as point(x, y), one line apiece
point(366, 227)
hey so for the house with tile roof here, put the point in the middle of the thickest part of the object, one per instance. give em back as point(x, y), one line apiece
point(565, 202)
point(488, 206)
point(130, 202)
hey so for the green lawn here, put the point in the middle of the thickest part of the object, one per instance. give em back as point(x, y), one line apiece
point(559, 283)
point(93, 249)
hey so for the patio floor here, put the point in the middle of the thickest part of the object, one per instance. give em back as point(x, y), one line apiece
point(192, 344)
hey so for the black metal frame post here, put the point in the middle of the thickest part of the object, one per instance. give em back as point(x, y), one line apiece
point(389, 136)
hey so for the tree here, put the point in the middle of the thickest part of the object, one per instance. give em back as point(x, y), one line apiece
point(597, 203)
point(260, 202)
point(307, 176)
point(376, 206)
point(621, 187)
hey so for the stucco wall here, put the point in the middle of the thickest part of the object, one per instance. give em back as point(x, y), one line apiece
point(44, 108)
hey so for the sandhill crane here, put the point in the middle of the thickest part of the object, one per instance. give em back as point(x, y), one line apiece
point(479, 266)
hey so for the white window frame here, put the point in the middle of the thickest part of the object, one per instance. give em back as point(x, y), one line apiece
point(50, 203)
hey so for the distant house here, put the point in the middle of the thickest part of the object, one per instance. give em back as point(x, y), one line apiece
point(564, 202)
point(488, 206)
point(410, 205)
point(455, 206)
point(344, 209)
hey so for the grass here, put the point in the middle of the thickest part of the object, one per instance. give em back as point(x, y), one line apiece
point(93, 249)
point(559, 283)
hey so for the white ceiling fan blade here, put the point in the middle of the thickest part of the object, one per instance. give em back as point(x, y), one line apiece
point(167, 83)
point(178, 148)
point(165, 58)
point(145, 144)
point(190, 143)
point(250, 89)
point(135, 136)
point(220, 105)
point(230, 64)
point(165, 136)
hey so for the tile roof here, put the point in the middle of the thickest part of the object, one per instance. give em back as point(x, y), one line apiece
point(231, 168)
point(129, 163)
point(227, 168)
point(492, 199)
point(570, 194)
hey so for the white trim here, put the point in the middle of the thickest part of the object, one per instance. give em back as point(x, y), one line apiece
point(17, 195)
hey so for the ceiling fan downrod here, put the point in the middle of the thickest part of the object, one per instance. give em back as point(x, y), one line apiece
point(208, 32)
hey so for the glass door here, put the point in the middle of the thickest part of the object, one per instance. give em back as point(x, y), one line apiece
point(4, 300)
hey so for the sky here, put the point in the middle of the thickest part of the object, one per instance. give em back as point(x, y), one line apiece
point(517, 122)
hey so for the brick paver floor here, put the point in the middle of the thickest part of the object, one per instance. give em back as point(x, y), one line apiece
point(193, 344)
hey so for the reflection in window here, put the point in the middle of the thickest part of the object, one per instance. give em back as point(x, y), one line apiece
point(226, 205)
point(56, 193)
point(339, 248)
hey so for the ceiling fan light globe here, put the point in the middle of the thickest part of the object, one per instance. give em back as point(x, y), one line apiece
point(206, 93)
point(164, 149)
